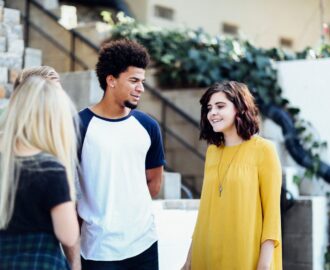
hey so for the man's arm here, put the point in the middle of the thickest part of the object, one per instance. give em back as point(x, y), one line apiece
point(154, 180)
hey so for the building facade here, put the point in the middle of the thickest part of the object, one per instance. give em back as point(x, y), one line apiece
point(290, 24)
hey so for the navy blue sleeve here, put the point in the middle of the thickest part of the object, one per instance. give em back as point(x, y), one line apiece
point(155, 156)
point(85, 117)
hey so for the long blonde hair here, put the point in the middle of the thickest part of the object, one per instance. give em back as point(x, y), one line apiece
point(41, 115)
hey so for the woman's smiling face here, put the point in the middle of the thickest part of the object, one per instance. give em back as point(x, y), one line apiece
point(221, 113)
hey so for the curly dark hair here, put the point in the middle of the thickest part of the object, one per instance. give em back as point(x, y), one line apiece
point(116, 56)
point(247, 117)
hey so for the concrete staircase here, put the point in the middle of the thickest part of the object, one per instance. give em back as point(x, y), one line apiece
point(63, 50)
point(66, 51)
point(13, 54)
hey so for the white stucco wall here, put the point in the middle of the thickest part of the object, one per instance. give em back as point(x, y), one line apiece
point(262, 22)
point(306, 84)
point(175, 222)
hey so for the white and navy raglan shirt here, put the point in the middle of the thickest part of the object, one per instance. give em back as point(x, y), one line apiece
point(115, 203)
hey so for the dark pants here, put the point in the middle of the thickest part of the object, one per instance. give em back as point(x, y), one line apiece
point(147, 260)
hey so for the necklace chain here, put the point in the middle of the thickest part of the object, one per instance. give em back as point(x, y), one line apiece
point(221, 185)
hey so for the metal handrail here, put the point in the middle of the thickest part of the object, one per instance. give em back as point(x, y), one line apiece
point(183, 142)
point(58, 45)
point(187, 191)
point(170, 104)
point(56, 19)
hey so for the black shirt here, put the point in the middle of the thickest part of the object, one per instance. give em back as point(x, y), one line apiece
point(42, 185)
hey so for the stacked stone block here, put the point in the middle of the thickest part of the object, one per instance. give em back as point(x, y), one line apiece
point(13, 54)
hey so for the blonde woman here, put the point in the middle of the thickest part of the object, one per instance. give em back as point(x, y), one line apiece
point(38, 157)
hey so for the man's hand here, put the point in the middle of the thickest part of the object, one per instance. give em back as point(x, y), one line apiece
point(154, 180)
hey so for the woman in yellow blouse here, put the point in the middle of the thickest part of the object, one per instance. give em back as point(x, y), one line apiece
point(238, 225)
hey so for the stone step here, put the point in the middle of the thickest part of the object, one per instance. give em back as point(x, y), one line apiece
point(32, 57)
point(12, 51)
point(96, 32)
point(49, 4)
point(171, 186)
point(3, 104)
point(10, 60)
point(11, 16)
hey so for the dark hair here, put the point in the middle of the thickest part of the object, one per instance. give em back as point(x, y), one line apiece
point(116, 56)
point(247, 117)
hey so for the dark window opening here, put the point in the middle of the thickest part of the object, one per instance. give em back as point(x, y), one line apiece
point(286, 42)
point(164, 12)
point(230, 29)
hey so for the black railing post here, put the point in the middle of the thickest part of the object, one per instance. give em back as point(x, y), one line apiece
point(163, 123)
point(73, 51)
point(27, 22)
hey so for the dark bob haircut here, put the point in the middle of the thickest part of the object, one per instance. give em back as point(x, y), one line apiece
point(247, 117)
point(116, 56)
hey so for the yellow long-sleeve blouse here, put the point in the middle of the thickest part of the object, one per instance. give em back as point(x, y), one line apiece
point(231, 228)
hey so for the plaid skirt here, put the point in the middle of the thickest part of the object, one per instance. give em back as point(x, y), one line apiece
point(31, 251)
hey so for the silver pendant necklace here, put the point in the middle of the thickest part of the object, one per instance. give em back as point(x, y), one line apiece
point(221, 185)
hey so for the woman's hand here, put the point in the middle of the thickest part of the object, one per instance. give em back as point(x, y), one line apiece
point(266, 255)
point(263, 267)
point(187, 264)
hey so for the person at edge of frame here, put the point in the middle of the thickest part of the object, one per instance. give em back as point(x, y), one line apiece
point(38, 150)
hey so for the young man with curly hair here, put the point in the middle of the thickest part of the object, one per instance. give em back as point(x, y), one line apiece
point(122, 160)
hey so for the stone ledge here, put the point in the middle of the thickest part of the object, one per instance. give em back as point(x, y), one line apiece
point(10, 60)
point(11, 16)
point(186, 204)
